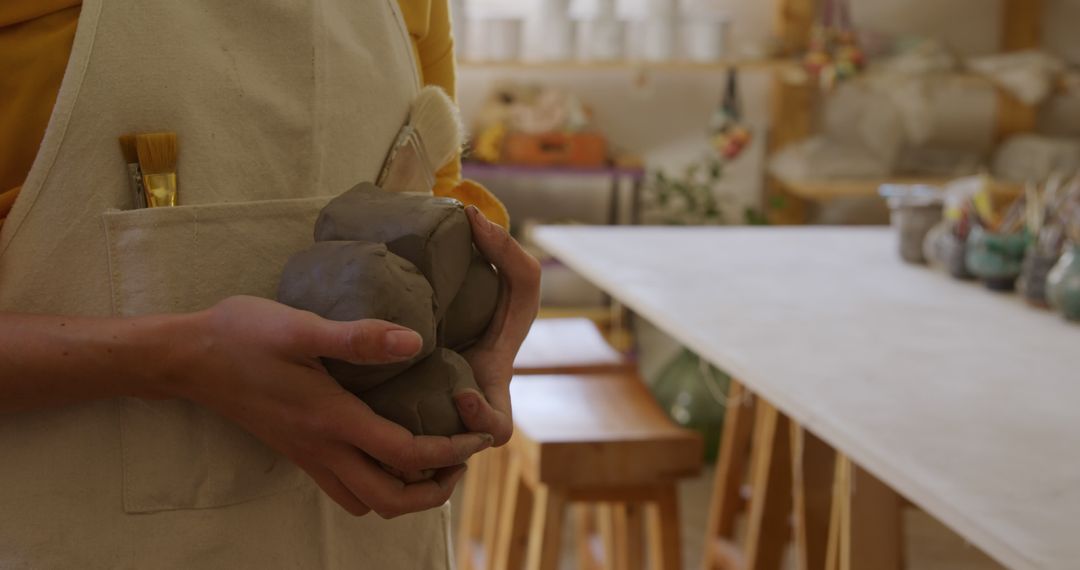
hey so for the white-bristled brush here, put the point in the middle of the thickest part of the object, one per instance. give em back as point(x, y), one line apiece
point(432, 137)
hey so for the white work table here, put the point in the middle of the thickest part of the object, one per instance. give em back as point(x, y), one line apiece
point(965, 401)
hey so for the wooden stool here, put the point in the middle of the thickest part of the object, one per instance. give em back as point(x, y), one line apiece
point(565, 345)
point(596, 439)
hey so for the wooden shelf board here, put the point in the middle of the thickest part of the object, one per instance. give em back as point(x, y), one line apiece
point(720, 65)
point(598, 314)
point(820, 190)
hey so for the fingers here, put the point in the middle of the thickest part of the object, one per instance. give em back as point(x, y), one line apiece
point(520, 297)
point(395, 446)
point(367, 341)
point(503, 251)
point(389, 496)
point(491, 415)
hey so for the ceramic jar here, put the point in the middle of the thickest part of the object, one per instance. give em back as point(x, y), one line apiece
point(942, 248)
point(1063, 284)
point(914, 210)
point(599, 30)
point(995, 258)
point(913, 222)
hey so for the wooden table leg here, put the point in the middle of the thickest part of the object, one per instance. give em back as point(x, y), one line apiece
point(513, 534)
point(869, 532)
point(546, 529)
point(735, 441)
point(768, 530)
point(665, 545)
point(836, 512)
point(813, 464)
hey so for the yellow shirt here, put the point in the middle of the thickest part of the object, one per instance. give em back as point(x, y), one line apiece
point(35, 42)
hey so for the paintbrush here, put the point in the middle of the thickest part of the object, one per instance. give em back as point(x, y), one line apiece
point(131, 158)
point(431, 138)
point(157, 159)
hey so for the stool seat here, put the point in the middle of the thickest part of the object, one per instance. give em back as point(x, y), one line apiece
point(560, 346)
point(598, 430)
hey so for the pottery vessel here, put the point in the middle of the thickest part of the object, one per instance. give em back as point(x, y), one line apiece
point(1033, 273)
point(942, 248)
point(693, 393)
point(995, 258)
point(1063, 284)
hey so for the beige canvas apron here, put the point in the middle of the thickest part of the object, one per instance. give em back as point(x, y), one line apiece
point(278, 104)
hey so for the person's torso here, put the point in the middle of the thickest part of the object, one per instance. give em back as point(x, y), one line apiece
point(277, 105)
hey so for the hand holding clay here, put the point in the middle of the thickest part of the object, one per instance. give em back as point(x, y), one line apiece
point(256, 362)
point(407, 259)
point(492, 357)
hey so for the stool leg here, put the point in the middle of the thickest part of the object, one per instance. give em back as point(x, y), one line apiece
point(813, 464)
point(495, 479)
point(609, 540)
point(767, 531)
point(545, 534)
point(513, 535)
point(665, 547)
point(472, 506)
point(628, 533)
point(587, 529)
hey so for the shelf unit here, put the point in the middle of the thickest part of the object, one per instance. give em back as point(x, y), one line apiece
point(818, 190)
point(774, 64)
point(795, 99)
point(793, 106)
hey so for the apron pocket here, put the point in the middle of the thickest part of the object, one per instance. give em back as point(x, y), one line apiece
point(177, 455)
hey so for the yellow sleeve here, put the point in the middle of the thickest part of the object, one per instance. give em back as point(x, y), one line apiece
point(428, 22)
point(7, 200)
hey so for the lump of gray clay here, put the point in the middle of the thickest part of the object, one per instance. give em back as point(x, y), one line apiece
point(347, 281)
point(472, 309)
point(407, 259)
point(421, 398)
point(433, 233)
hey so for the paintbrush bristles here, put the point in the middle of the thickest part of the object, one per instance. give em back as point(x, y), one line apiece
point(128, 147)
point(435, 117)
point(157, 152)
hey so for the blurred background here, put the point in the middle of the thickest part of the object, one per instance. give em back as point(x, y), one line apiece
point(769, 112)
point(630, 94)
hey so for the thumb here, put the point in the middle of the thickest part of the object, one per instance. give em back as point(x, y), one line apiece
point(368, 341)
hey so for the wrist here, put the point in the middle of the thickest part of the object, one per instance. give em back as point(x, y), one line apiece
point(164, 356)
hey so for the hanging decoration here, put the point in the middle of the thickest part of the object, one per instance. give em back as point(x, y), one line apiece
point(834, 53)
point(729, 136)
